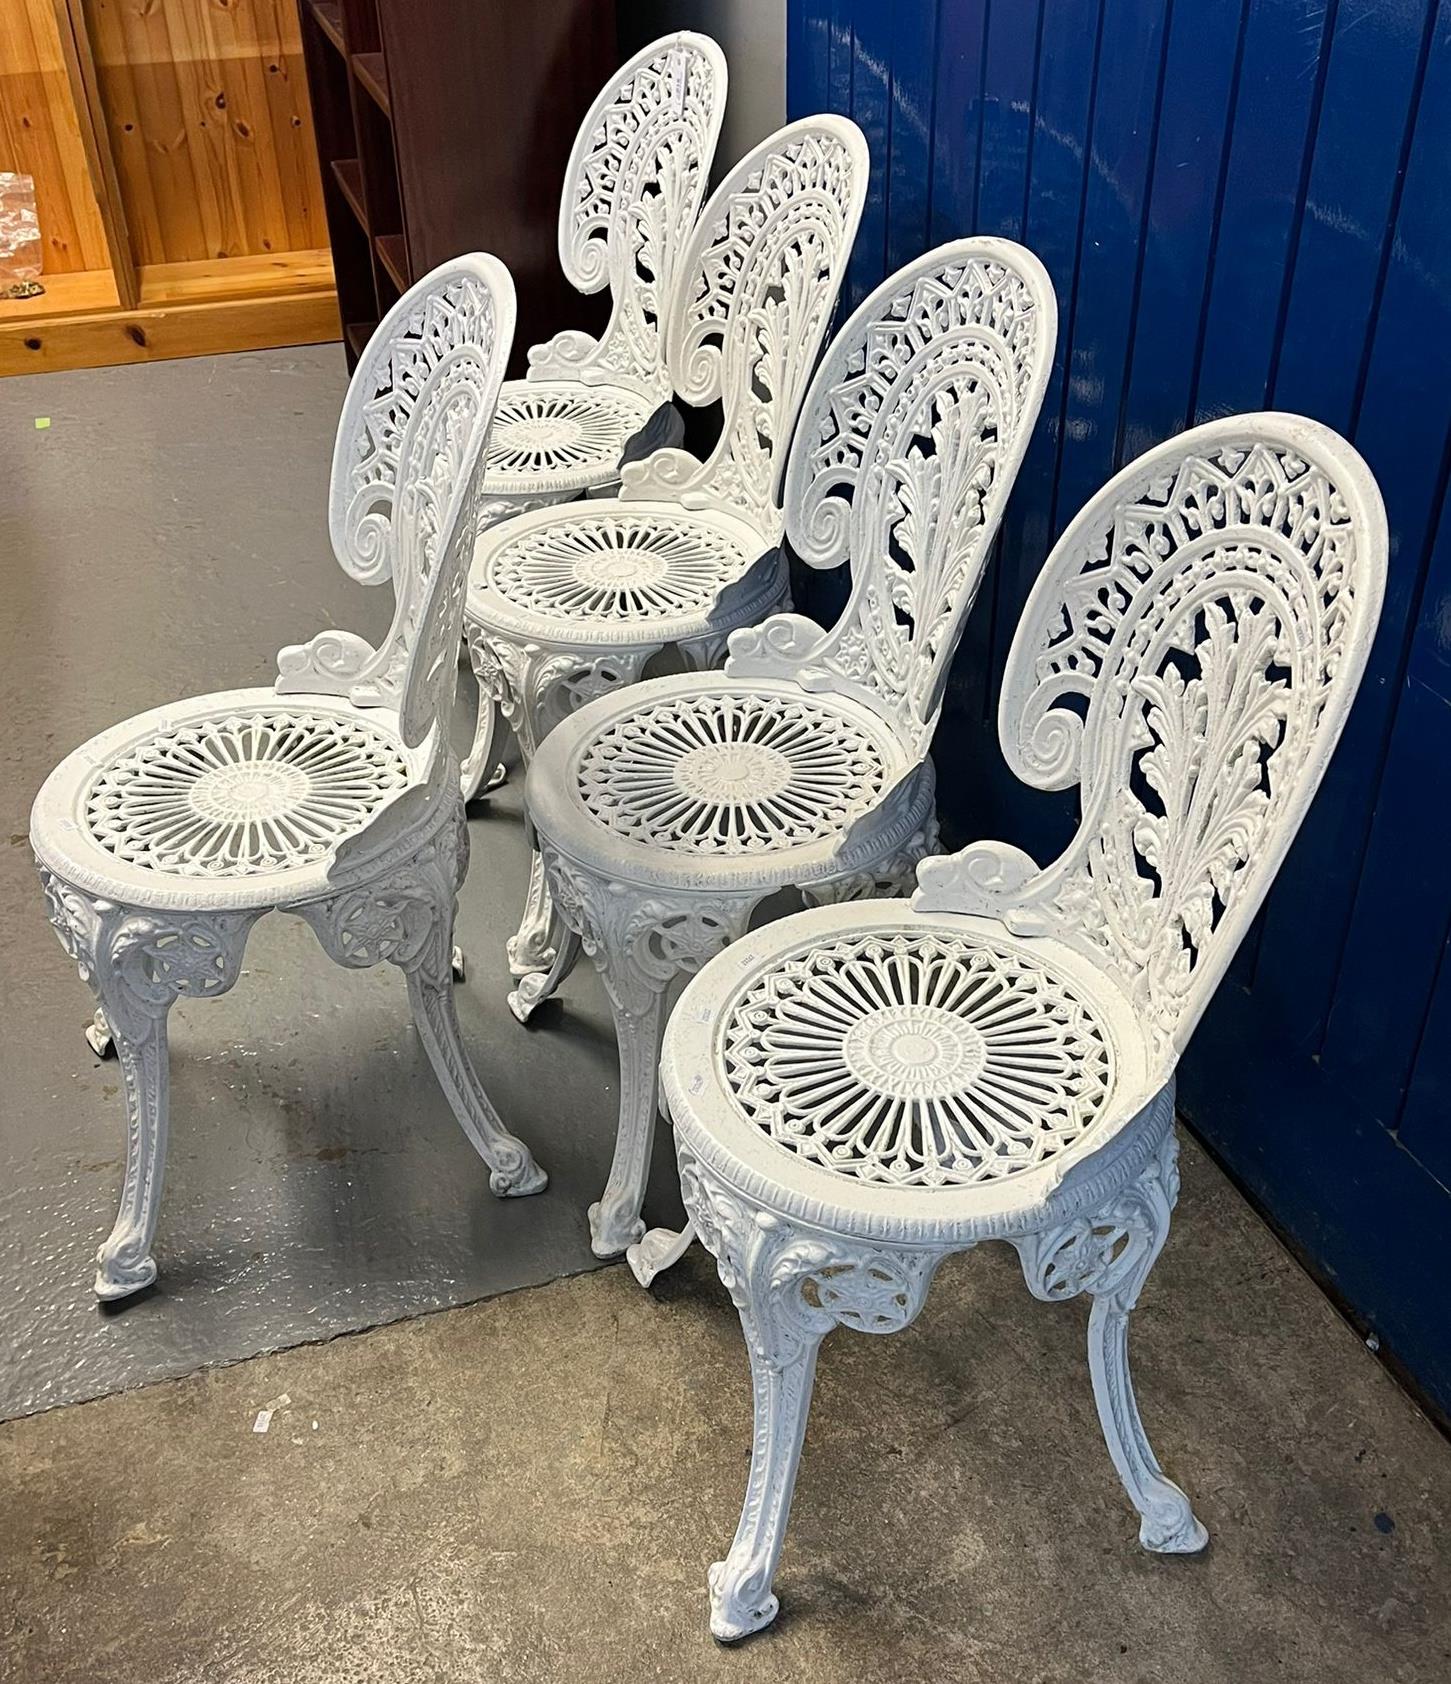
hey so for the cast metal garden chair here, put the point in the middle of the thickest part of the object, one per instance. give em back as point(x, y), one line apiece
point(667, 813)
point(632, 191)
point(859, 1091)
point(568, 603)
point(163, 840)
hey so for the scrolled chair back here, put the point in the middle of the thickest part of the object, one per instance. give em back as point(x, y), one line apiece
point(1188, 656)
point(632, 192)
point(407, 480)
point(756, 288)
point(911, 437)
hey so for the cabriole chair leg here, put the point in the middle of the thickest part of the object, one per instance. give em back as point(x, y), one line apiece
point(1109, 1255)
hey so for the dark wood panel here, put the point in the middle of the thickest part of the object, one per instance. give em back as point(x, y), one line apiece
point(486, 97)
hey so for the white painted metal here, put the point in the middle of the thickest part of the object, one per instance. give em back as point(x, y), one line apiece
point(632, 192)
point(859, 1091)
point(334, 795)
point(568, 603)
point(667, 813)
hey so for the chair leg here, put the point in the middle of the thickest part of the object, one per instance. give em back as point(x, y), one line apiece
point(614, 1220)
point(482, 770)
point(535, 987)
point(1168, 1524)
point(138, 963)
point(640, 940)
point(741, 1599)
point(406, 919)
point(529, 947)
point(791, 1286)
point(658, 1250)
point(1109, 1254)
point(124, 1263)
point(512, 1169)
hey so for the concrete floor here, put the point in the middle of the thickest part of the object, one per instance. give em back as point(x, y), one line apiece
point(164, 536)
point(530, 1488)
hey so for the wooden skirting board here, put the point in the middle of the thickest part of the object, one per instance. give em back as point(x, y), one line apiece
point(184, 310)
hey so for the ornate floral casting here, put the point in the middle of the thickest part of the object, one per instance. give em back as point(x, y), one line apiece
point(909, 447)
point(730, 773)
point(574, 436)
point(406, 494)
point(916, 1060)
point(757, 286)
point(616, 564)
point(1185, 656)
point(632, 193)
point(243, 793)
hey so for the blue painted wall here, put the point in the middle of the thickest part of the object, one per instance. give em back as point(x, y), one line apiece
point(1243, 204)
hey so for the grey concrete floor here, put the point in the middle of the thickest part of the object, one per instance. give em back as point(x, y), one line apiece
point(531, 1489)
point(163, 537)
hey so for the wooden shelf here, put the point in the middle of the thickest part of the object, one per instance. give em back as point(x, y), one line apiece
point(357, 335)
point(277, 275)
point(349, 177)
point(74, 294)
point(372, 76)
point(393, 255)
point(328, 15)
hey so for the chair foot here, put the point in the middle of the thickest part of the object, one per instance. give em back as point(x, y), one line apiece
point(658, 1250)
point(99, 1037)
point(117, 1279)
point(613, 1232)
point(530, 993)
point(731, 1620)
point(519, 1184)
point(458, 963)
point(1174, 1530)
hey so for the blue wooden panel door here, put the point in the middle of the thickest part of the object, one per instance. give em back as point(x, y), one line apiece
point(1244, 204)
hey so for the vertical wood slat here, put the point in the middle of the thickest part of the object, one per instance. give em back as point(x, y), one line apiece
point(40, 137)
point(207, 105)
point(1376, 58)
point(1242, 204)
point(1402, 905)
point(96, 139)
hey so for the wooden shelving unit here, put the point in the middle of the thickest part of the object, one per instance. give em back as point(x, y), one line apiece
point(444, 126)
point(178, 190)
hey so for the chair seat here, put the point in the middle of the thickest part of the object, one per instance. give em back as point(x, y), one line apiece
point(903, 1076)
point(560, 437)
point(700, 779)
point(615, 573)
point(236, 799)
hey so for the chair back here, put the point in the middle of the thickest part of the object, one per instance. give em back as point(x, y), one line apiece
point(632, 192)
point(408, 476)
point(910, 439)
point(757, 285)
point(1188, 656)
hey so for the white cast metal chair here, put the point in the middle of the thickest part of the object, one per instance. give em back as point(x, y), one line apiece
point(632, 193)
point(668, 813)
point(859, 1091)
point(162, 841)
point(568, 603)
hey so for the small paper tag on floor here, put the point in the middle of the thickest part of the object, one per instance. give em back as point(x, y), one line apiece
point(263, 1421)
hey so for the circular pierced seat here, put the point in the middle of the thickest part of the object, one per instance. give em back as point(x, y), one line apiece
point(617, 573)
point(917, 1076)
point(228, 800)
point(757, 781)
point(555, 438)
